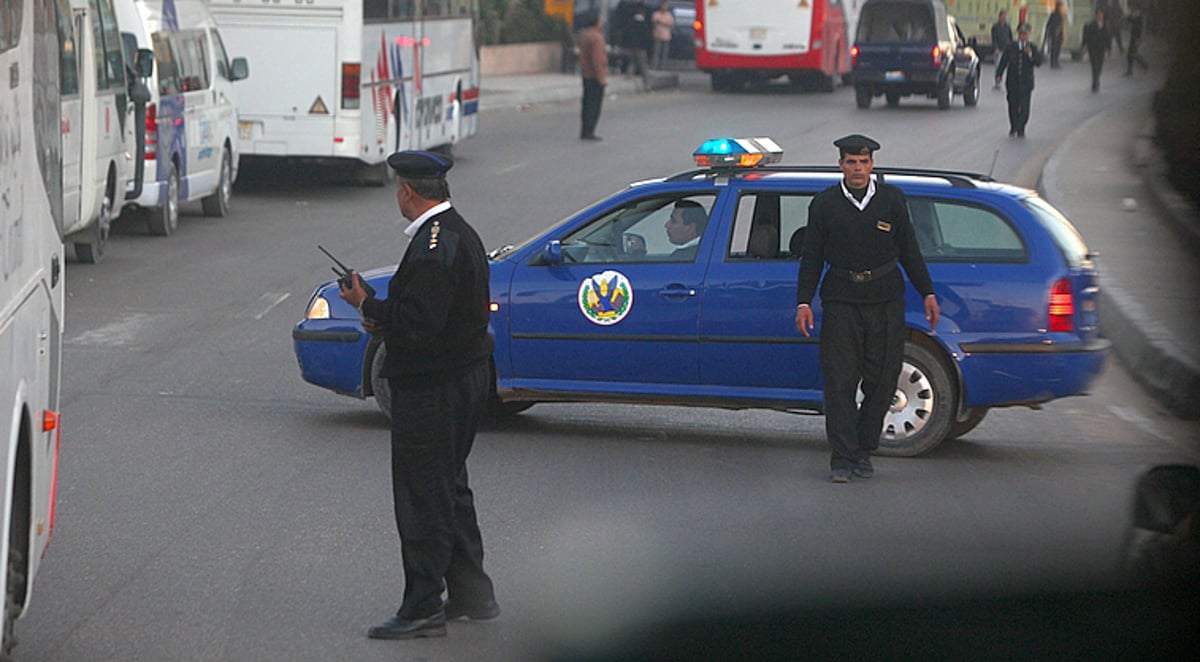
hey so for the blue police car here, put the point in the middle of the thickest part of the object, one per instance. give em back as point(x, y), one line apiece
point(615, 304)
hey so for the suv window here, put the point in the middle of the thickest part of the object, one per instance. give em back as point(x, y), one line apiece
point(951, 231)
point(769, 225)
point(896, 21)
point(638, 232)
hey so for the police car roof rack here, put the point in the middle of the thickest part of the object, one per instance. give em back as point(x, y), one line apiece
point(956, 178)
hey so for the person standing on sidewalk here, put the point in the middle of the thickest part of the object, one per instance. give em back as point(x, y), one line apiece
point(434, 323)
point(861, 229)
point(1098, 42)
point(593, 68)
point(1137, 23)
point(1018, 62)
point(664, 21)
point(1001, 38)
point(1056, 32)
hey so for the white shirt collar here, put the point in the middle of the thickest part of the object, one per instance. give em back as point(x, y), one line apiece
point(866, 198)
point(415, 226)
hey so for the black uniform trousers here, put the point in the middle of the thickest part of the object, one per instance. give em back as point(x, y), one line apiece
point(593, 98)
point(1019, 98)
point(433, 428)
point(859, 343)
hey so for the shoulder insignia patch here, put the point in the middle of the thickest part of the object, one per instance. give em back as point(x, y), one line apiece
point(434, 230)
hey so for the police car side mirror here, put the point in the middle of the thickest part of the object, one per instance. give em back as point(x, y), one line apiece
point(239, 68)
point(552, 252)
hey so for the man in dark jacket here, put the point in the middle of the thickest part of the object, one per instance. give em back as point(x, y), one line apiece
point(1001, 38)
point(434, 325)
point(1098, 42)
point(861, 230)
point(1056, 32)
point(1136, 25)
point(1018, 61)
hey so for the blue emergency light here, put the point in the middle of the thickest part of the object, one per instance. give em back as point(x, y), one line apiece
point(737, 153)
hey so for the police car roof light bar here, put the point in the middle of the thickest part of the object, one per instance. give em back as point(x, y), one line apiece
point(737, 153)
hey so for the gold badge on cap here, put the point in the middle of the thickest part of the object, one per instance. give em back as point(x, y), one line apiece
point(884, 226)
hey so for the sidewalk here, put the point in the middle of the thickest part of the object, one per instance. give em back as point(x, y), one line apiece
point(1108, 178)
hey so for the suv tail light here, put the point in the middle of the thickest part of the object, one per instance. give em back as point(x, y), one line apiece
point(937, 56)
point(151, 131)
point(853, 56)
point(1062, 306)
point(350, 84)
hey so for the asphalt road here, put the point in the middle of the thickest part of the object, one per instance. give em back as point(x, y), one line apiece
point(212, 506)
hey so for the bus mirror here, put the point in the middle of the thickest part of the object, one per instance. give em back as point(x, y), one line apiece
point(241, 69)
point(144, 64)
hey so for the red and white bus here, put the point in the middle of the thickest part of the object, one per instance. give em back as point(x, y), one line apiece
point(31, 290)
point(351, 81)
point(753, 41)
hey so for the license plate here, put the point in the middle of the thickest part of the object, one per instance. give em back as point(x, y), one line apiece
point(894, 76)
point(758, 34)
point(245, 130)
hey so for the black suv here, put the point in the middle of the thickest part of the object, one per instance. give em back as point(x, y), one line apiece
point(909, 47)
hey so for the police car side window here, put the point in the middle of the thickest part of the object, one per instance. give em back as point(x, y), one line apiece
point(958, 232)
point(638, 232)
point(769, 226)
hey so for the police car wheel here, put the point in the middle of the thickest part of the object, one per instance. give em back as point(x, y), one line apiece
point(379, 385)
point(923, 408)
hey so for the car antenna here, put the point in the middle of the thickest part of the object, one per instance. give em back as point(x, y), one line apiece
point(995, 157)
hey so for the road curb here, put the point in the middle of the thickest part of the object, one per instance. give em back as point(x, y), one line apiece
point(1152, 356)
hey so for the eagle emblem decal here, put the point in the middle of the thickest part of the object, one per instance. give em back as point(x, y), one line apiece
point(605, 298)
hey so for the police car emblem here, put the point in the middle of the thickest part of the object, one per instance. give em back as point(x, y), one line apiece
point(605, 298)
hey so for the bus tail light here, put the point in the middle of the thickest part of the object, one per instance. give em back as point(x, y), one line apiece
point(1062, 306)
point(350, 84)
point(151, 131)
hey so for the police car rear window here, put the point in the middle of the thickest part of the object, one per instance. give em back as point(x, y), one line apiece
point(1065, 235)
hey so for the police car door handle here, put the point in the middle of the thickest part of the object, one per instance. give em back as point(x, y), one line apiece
point(676, 291)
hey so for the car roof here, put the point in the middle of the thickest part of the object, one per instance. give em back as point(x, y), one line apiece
point(831, 174)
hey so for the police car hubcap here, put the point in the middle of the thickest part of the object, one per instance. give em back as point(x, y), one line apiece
point(912, 404)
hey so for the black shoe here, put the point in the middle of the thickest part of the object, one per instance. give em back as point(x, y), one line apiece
point(483, 612)
point(1020, 134)
point(591, 137)
point(1012, 132)
point(840, 476)
point(398, 627)
point(863, 469)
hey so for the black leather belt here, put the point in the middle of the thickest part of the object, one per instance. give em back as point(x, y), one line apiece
point(864, 276)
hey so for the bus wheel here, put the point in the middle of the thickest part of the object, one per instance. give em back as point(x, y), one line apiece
point(217, 204)
point(92, 250)
point(379, 174)
point(11, 608)
point(163, 220)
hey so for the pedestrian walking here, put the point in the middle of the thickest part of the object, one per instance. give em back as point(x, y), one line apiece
point(1097, 41)
point(1114, 18)
point(664, 22)
point(593, 68)
point(1001, 38)
point(1018, 62)
point(1137, 24)
point(1056, 32)
point(860, 229)
point(434, 323)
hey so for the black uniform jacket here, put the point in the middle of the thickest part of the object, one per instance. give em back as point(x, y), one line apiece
point(435, 316)
point(846, 238)
point(1019, 66)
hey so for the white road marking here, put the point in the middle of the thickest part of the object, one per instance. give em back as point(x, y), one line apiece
point(271, 299)
point(1140, 422)
point(121, 333)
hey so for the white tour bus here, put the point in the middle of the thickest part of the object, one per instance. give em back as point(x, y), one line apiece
point(351, 81)
point(191, 120)
point(100, 94)
point(31, 291)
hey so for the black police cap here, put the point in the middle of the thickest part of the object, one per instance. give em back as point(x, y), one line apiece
point(416, 164)
point(856, 144)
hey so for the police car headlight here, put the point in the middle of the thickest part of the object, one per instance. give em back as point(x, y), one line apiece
point(318, 309)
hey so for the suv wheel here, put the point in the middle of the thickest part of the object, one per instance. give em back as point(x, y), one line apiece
point(971, 93)
point(945, 95)
point(862, 96)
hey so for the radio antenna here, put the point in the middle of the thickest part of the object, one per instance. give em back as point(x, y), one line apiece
point(995, 157)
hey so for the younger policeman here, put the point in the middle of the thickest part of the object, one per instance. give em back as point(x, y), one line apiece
point(860, 228)
point(434, 325)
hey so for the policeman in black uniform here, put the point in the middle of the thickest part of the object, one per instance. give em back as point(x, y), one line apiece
point(1018, 60)
point(434, 326)
point(860, 228)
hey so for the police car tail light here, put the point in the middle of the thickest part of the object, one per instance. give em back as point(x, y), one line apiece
point(1062, 306)
point(737, 152)
point(318, 309)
